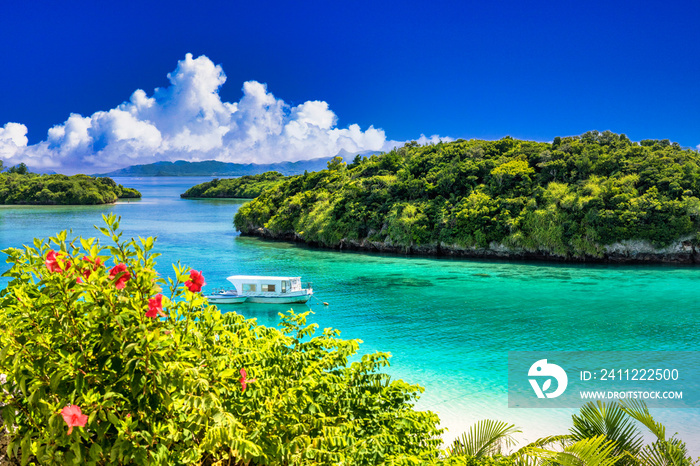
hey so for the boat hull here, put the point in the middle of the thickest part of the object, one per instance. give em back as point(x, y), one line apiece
point(279, 299)
point(288, 298)
point(226, 299)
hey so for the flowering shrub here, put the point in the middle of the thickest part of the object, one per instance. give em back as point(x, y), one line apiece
point(196, 281)
point(106, 362)
point(74, 417)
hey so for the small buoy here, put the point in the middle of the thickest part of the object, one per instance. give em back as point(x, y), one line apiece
point(325, 303)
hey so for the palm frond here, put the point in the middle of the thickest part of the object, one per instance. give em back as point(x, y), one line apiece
point(638, 410)
point(593, 451)
point(665, 453)
point(612, 422)
point(527, 455)
point(484, 438)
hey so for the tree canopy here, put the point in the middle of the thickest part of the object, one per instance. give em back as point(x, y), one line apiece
point(569, 198)
point(19, 186)
point(245, 187)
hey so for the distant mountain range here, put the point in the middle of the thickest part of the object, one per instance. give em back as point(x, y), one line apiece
point(214, 168)
point(41, 171)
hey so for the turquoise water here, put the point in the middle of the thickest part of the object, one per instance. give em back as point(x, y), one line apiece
point(448, 323)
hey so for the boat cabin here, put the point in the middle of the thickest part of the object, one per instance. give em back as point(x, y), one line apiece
point(259, 285)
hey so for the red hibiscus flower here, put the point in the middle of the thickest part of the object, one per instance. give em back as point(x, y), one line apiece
point(56, 262)
point(96, 264)
point(155, 306)
point(52, 262)
point(245, 380)
point(196, 281)
point(74, 417)
point(120, 275)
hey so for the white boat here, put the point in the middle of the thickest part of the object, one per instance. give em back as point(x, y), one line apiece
point(271, 290)
point(226, 297)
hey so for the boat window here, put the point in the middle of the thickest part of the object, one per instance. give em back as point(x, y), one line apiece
point(249, 287)
point(268, 287)
point(284, 286)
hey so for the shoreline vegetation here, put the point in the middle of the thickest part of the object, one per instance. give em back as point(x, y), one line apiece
point(245, 187)
point(20, 187)
point(106, 362)
point(597, 197)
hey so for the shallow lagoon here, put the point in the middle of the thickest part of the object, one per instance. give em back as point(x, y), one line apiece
point(447, 323)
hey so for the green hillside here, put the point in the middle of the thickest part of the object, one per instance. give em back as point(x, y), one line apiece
point(245, 187)
point(571, 198)
point(21, 187)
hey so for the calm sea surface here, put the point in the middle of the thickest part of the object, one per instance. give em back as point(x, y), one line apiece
point(447, 323)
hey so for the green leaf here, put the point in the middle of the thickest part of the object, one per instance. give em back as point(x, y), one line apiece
point(484, 438)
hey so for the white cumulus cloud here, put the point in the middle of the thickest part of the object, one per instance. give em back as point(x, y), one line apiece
point(13, 138)
point(188, 120)
point(422, 140)
point(434, 139)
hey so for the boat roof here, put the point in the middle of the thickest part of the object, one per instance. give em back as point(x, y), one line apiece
point(258, 277)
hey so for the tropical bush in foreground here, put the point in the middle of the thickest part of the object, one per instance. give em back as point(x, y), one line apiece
point(106, 362)
point(602, 435)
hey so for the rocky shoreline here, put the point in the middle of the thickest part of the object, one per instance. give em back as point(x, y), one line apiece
point(683, 252)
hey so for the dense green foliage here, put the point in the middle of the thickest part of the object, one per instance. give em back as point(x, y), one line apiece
point(167, 390)
point(567, 198)
point(153, 371)
point(17, 187)
point(245, 187)
point(603, 434)
point(20, 169)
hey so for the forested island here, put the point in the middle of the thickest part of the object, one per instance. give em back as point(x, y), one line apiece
point(245, 187)
point(19, 186)
point(598, 196)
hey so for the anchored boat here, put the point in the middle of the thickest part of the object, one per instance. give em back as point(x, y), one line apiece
point(226, 297)
point(261, 289)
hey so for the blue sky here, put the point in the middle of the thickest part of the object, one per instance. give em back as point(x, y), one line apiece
point(532, 70)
